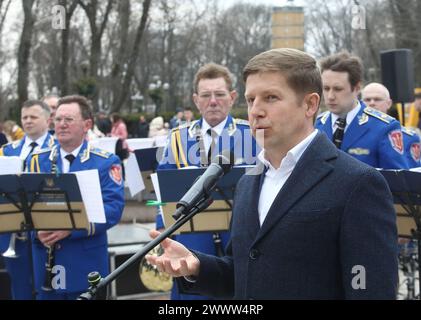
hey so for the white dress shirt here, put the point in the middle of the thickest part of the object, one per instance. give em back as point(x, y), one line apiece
point(349, 117)
point(26, 148)
point(207, 139)
point(275, 178)
point(64, 161)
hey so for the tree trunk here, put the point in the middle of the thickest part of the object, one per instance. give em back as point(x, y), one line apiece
point(64, 78)
point(125, 89)
point(91, 9)
point(25, 51)
point(121, 57)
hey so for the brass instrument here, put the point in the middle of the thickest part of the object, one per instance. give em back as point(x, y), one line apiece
point(11, 250)
point(151, 277)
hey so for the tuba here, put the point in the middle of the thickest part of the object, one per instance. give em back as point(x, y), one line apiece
point(151, 277)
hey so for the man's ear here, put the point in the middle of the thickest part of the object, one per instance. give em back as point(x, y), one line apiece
point(311, 101)
point(233, 95)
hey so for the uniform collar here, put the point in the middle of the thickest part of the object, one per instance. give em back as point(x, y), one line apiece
point(349, 117)
point(218, 128)
point(229, 124)
point(40, 141)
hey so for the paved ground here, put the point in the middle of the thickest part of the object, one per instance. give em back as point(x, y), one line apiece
point(135, 211)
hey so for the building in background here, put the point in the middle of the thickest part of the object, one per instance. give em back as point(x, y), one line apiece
point(288, 26)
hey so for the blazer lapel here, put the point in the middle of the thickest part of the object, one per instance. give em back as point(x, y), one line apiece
point(310, 170)
point(253, 194)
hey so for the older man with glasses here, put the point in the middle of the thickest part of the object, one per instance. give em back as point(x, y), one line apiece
point(82, 251)
point(196, 143)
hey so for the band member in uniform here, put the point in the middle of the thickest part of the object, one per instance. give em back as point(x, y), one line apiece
point(196, 143)
point(76, 252)
point(34, 118)
point(363, 132)
point(316, 224)
point(376, 96)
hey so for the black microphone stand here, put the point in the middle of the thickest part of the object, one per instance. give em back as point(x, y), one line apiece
point(98, 285)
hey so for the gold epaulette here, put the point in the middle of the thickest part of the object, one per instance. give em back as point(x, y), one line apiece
point(408, 131)
point(242, 122)
point(323, 117)
point(378, 114)
point(100, 152)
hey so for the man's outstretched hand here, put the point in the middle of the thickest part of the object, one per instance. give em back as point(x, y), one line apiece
point(177, 260)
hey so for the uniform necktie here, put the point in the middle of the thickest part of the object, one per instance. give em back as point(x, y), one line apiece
point(33, 145)
point(338, 136)
point(70, 157)
point(213, 135)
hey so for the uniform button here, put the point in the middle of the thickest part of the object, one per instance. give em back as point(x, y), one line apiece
point(58, 246)
point(254, 254)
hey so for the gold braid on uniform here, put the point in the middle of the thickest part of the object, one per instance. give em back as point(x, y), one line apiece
point(35, 163)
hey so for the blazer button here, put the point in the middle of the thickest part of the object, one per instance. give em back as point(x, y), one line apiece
point(58, 246)
point(254, 254)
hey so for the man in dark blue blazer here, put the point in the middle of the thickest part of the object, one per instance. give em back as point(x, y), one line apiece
point(316, 224)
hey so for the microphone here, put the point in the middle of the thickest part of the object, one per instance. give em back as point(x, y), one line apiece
point(205, 183)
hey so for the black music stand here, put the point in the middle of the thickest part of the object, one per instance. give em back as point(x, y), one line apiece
point(32, 202)
point(406, 189)
point(147, 161)
point(174, 183)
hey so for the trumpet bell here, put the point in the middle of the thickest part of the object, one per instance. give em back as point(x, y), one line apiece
point(10, 253)
point(11, 250)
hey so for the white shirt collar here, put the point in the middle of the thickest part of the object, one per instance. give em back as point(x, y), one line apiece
point(349, 117)
point(218, 128)
point(293, 155)
point(75, 152)
point(39, 141)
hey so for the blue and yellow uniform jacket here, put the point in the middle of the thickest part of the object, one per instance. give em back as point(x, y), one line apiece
point(20, 268)
point(84, 250)
point(15, 148)
point(372, 137)
point(185, 149)
point(411, 141)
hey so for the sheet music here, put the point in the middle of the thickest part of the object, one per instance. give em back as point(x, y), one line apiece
point(140, 143)
point(11, 165)
point(90, 189)
point(107, 144)
point(133, 176)
point(155, 183)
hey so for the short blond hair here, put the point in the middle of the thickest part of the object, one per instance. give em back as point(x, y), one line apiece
point(213, 71)
point(300, 70)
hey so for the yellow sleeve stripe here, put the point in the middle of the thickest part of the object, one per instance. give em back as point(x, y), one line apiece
point(174, 148)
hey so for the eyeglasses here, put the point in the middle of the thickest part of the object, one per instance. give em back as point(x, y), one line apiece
point(219, 95)
point(66, 120)
point(374, 99)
